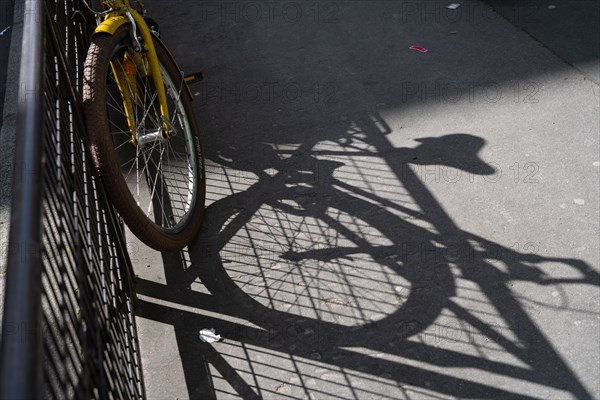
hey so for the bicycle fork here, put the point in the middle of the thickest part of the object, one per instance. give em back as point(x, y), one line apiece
point(142, 61)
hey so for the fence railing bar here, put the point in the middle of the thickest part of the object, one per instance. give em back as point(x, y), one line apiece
point(20, 351)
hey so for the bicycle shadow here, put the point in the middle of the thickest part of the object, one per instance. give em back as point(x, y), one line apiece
point(427, 263)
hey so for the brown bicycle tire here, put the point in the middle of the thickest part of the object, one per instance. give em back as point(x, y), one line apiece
point(103, 154)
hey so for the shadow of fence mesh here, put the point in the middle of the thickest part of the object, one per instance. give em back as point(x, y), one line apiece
point(89, 348)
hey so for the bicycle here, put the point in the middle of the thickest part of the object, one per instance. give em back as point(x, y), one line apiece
point(144, 139)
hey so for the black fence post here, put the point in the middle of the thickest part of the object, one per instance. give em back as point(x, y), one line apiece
point(20, 361)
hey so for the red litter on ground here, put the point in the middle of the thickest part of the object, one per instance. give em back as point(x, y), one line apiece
point(418, 48)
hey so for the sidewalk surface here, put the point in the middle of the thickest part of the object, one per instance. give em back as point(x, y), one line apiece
point(10, 39)
point(383, 222)
point(6, 28)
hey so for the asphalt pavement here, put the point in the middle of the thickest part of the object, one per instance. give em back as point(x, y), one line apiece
point(403, 202)
point(6, 22)
point(567, 28)
point(10, 36)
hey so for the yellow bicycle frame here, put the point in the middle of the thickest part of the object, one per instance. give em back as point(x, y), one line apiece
point(113, 21)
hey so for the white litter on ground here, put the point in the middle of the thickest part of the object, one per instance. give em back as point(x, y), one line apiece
point(4, 30)
point(453, 6)
point(209, 336)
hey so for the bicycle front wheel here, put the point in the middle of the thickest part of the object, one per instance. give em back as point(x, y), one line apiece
point(155, 181)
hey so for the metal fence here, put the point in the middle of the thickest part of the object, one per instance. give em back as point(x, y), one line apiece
point(68, 328)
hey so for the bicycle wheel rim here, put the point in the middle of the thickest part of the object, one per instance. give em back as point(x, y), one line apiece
point(162, 175)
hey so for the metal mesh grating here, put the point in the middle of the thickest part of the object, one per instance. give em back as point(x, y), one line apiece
point(89, 345)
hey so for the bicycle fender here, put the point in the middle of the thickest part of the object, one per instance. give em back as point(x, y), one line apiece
point(168, 53)
point(111, 24)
